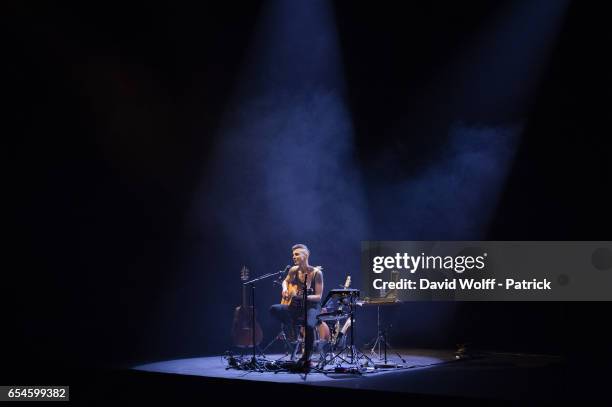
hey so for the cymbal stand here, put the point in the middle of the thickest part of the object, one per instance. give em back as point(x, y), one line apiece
point(382, 344)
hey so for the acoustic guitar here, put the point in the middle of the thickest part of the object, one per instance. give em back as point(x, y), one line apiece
point(294, 289)
point(242, 326)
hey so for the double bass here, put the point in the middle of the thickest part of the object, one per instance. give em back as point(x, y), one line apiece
point(242, 326)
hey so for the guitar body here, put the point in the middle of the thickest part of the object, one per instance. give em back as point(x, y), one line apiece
point(242, 325)
point(242, 333)
point(292, 290)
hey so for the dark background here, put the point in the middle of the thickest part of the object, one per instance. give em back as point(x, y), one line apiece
point(113, 115)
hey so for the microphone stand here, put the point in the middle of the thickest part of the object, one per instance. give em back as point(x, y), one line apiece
point(305, 295)
point(254, 364)
point(305, 366)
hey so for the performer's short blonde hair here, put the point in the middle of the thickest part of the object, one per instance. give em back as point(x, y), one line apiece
point(303, 247)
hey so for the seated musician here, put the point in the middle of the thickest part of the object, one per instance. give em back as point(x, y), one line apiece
point(291, 304)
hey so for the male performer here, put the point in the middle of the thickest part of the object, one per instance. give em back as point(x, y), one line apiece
point(314, 284)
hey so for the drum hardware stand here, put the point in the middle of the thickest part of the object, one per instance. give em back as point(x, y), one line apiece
point(383, 345)
point(353, 353)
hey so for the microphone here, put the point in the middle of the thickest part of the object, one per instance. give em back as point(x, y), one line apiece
point(280, 278)
point(285, 271)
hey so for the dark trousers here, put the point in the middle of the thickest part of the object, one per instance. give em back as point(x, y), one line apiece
point(290, 315)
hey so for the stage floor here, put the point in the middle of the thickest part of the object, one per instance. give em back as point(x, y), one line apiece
point(216, 366)
point(427, 372)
